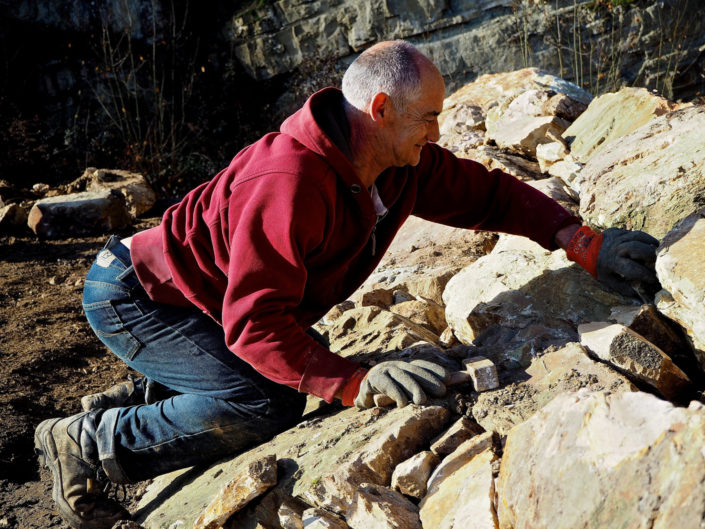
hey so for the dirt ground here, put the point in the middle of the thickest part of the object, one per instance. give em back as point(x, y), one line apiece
point(50, 358)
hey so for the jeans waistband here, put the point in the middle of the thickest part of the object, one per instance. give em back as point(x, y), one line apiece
point(119, 250)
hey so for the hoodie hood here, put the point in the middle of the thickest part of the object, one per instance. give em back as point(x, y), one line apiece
point(324, 109)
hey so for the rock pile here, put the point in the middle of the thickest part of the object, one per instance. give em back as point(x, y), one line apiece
point(575, 415)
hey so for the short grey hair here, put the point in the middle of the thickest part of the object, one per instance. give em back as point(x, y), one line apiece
point(392, 69)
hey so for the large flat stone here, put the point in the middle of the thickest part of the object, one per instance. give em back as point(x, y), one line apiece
point(594, 460)
point(650, 179)
point(680, 270)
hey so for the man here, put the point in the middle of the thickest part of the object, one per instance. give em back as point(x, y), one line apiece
point(213, 305)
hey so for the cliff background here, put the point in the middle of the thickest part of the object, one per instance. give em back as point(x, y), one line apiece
point(174, 89)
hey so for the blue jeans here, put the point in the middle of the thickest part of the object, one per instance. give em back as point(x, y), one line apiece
point(221, 405)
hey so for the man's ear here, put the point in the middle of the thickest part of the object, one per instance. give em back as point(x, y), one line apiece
point(379, 106)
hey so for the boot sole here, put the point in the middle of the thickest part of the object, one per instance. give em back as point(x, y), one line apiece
point(49, 458)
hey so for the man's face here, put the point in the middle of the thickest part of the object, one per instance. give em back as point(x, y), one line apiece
point(411, 129)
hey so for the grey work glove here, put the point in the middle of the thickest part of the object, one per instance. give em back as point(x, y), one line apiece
point(626, 262)
point(403, 381)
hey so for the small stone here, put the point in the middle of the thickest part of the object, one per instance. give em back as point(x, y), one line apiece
point(289, 518)
point(410, 476)
point(447, 338)
point(381, 508)
point(462, 430)
point(483, 373)
point(40, 188)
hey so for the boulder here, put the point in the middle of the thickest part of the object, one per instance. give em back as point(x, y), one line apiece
point(634, 356)
point(595, 460)
point(520, 299)
point(557, 189)
point(611, 116)
point(83, 213)
point(464, 498)
point(650, 179)
point(426, 313)
point(495, 158)
point(679, 269)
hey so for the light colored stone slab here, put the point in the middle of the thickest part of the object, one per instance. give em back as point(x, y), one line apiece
point(612, 116)
point(464, 499)
point(635, 356)
point(679, 266)
point(257, 478)
point(138, 194)
point(410, 476)
point(650, 179)
point(594, 460)
point(78, 214)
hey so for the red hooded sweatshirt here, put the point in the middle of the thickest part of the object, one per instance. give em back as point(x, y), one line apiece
point(287, 231)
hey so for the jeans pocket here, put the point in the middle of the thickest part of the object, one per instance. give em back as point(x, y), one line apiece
point(107, 325)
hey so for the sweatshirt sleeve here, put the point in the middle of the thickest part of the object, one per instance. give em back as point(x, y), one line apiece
point(463, 193)
point(275, 221)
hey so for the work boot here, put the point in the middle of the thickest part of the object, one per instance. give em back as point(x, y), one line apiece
point(132, 392)
point(128, 393)
point(68, 448)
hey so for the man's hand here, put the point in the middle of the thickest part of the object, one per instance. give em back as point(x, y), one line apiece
point(621, 259)
point(403, 381)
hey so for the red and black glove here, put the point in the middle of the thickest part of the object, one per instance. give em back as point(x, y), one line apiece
point(621, 259)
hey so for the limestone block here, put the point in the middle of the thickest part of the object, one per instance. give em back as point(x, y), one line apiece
point(568, 170)
point(458, 458)
point(650, 179)
point(624, 460)
point(635, 356)
point(549, 153)
point(648, 322)
point(488, 89)
point(612, 116)
point(410, 476)
point(372, 330)
point(554, 373)
point(680, 271)
point(319, 519)
point(426, 313)
point(524, 134)
point(462, 430)
point(464, 499)
point(258, 477)
point(520, 299)
point(321, 461)
point(483, 373)
point(78, 214)
point(382, 508)
point(379, 297)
